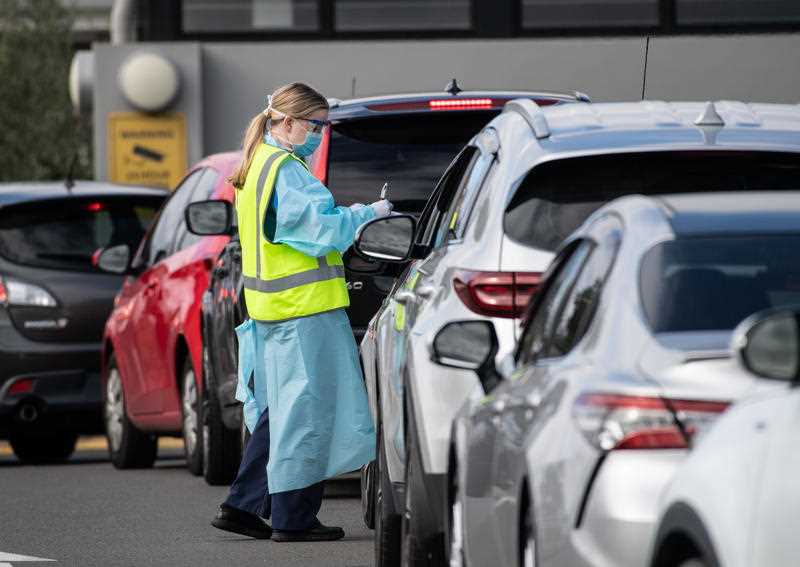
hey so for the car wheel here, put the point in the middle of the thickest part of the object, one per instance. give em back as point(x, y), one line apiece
point(387, 523)
point(455, 525)
point(695, 562)
point(527, 538)
point(128, 447)
point(415, 552)
point(368, 494)
point(190, 408)
point(222, 447)
point(43, 448)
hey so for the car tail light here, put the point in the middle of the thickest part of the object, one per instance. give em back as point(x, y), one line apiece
point(23, 386)
point(496, 294)
point(95, 207)
point(613, 422)
point(16, 293)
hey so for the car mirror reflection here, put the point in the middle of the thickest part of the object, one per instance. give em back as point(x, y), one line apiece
point(768, 344)
point(469, 345)
point(387, 239)
point(114, 259)
point(207, 218)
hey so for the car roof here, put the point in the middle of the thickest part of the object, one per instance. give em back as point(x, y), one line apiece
point(21, 192)
point(762, 212)
point(648, 124)
point(405, 103)
point(224, 162)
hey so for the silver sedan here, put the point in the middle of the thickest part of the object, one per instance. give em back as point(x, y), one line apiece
point(560, 456)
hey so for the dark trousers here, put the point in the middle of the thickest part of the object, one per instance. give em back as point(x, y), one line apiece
point(291, 510)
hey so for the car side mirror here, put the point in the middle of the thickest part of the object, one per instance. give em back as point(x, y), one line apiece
point(768, 344)
point(114, 259)
point(469, 345)
point(386, 239)
point(209, 218)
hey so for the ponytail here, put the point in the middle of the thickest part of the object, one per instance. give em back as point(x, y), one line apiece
point(295, 100)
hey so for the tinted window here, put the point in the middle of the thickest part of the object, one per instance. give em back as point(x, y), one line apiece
point(202, 191)
point(460, 208)
point(63, 234)
point(557, 196)
point(537, 331)
point(696, 284)
point(412, 15)
point(158, 244)
point(215, 16)
point(410, 151)
point(589, 13)
point(721, 12)
point(581, 303)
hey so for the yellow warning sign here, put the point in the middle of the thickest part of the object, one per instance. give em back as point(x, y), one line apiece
point(145, 149)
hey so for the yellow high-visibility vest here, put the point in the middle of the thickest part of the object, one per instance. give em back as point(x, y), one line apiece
point(281, 283)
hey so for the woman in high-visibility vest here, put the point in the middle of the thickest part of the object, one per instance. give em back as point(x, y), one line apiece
point(299, 373)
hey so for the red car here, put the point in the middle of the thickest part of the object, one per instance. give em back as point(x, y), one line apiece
point(152, 345)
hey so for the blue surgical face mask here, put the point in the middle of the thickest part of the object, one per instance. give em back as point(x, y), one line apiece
point(311, 143)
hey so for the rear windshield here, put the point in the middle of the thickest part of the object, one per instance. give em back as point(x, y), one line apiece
point(410, 151)
point(704, 284)
point(63, 234)
point(557, 196)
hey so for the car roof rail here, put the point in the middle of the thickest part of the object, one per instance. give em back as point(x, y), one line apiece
point(581, 97)
point(531, 113)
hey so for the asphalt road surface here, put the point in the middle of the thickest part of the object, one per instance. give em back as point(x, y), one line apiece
point(86, 513)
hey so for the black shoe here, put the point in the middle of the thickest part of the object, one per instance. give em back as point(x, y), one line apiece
point(317, 533)
point(238, 521)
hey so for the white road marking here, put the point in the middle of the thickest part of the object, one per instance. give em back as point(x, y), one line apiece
point(16, 558)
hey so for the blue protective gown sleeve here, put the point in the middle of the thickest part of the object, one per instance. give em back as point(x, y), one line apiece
point(303, 215)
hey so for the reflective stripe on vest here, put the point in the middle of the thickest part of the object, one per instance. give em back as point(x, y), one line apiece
point(324, 272)
point(280, 282)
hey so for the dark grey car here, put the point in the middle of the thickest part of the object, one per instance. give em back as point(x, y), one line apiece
point(54, 303)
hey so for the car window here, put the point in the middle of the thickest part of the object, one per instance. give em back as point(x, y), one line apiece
point(540, 319)
point(580, 305)
point(557, 196)
point(203, 191)
point(63, 234)
point(465, 198)
point(158, 244)
point(409, 150)
point(713, 283)
point(434, 214)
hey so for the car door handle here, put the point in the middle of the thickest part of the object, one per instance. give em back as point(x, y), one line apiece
point(425, 291)
point(404, 296)
point(506, 404)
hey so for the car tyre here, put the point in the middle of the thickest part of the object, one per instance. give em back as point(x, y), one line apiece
point(455, 523)
point(190, 410)
point(43, 448)
point(222, 447)
point(527, 536)
point(415, 552)
point(695, 562)
point(387, 523)
point(128, 447)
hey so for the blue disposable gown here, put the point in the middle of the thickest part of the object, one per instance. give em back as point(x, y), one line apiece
point(306, 370)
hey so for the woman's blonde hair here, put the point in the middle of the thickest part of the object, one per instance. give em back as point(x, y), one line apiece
point(295, 100)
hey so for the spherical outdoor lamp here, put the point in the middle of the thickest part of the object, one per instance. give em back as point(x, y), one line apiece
point(148, 81)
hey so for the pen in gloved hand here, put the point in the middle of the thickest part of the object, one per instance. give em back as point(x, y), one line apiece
point(384, 191)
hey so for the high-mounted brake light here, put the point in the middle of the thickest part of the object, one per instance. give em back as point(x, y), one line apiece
point(460, 103)
point(95, 207)
point(496, 294)
point(613, 422)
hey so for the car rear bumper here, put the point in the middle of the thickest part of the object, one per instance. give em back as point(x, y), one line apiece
point(621, 512)
point(65, 393)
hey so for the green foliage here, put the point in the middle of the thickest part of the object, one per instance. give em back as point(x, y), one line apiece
point(39, 136)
